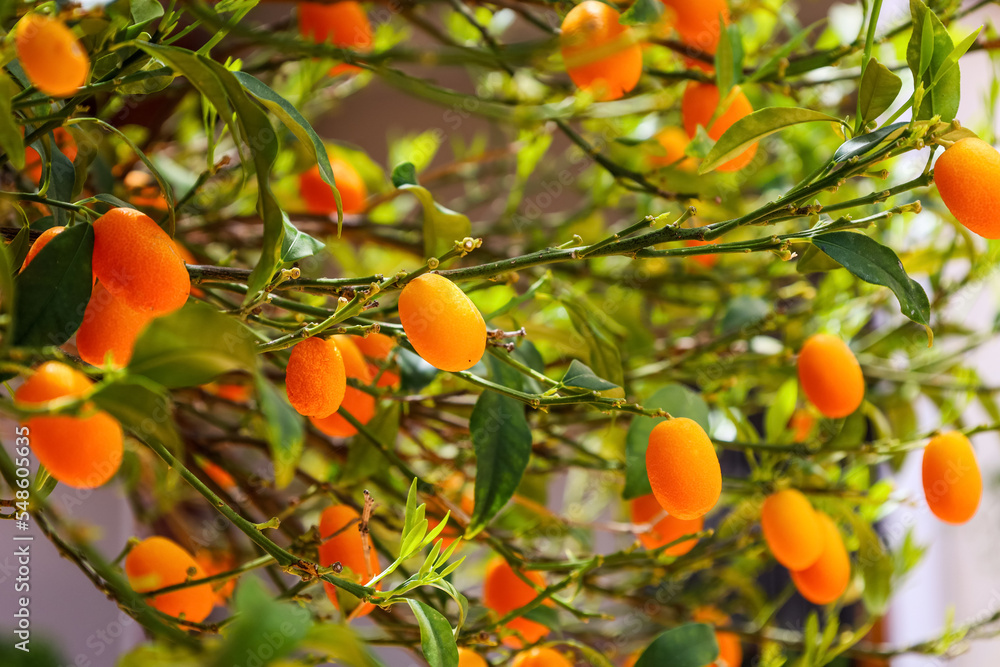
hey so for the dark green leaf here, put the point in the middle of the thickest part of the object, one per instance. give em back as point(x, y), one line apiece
point(192, 346)
point(296, 245)
point(18, 249)
point(142, 407)
point(642, 12)
point(756, 126)
point(261, 621)
point(690, 645)
point(52, 293)
point(879, 88)
point(744, 311)
point(579, 375)
point(414, 372)
point(283, 428)
point(62, 178)
point(865, 143)
point(404, 174)
point(436, 639)
point(502, 439)
point(299, 126)
point(875, 263)
point(677, 400)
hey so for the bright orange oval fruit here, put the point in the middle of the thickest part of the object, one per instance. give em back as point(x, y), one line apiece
point(342, 543)
point(51, 55)
point(792, 529)
point(968, 177)
point(953, 484)
point(504, 591)
point(541, 657)
point(602, 56)
point(359, 404)
point(156, 563)
point(825, 580)
point(315, 377)
point(683, 468)
point(441, 322)
point(831, 376)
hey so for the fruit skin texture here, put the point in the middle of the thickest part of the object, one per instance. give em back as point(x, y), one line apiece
point(825, 580)
point(968, 177)
point(82, 452)
point(360, 404)
point(343, 24)
point(698, 108)
point(52, 57)
point(791, 529)
point(319, 197)
point(645, 508)
point(831, 376)
point(683, 468)
point(443, 325)
point(953, 484)
point(315, 379)
point(541, 657)
point(157, 562)
point(136, 261)
point(469, 658)
point(109, 327)
point(346, 548)
point(41, 242)
point(589, 31)
point(698, 22)
point(504, 591)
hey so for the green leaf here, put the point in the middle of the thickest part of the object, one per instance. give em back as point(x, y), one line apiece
point(442, 226)
point(261, 620)
point(729, 60)
point(414, 372)
point(436, 639)
point(300, 127)
point(813, 260)
point(257, 144)
point(929, 54)
point(17, 251)
point(689, 645)
point(780, 411)
point(879, 88)
point(54, 290)
point(756, 126)
point(744, 311)
point(579, 375)
point(11, 140)
point(865, 143)
point(296, 245)
point(142, 407)
point(144, 11)
point(191, 346)
point(283, 428)
point(7, 296)
point(502, 439)
point(604, 354)
point(642, 12)
point(677, 400)
point(875, 263)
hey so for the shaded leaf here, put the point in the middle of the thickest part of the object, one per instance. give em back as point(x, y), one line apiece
point(865, 143)
point(192, 346)
point(54, 290)
point(283, 428)
point(11, 140)
point(261, 620)
point(296, 245)
point(502, 440)
point(689, 645)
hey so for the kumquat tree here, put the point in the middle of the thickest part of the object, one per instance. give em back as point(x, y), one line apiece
point(493, 332)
